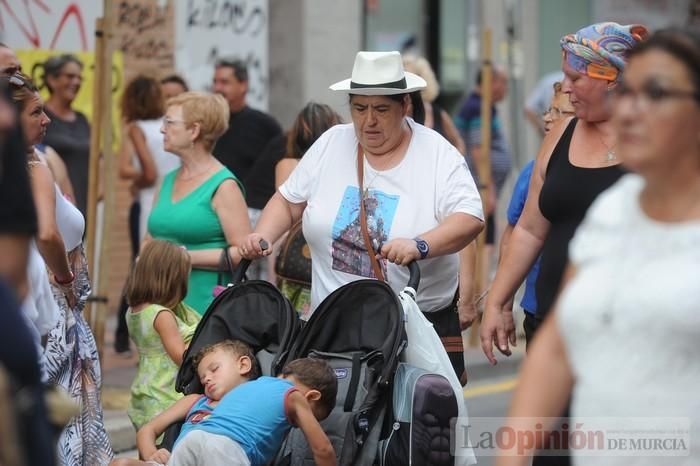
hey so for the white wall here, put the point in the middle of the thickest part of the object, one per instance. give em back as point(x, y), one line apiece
point(206, 31)
point(312, 45)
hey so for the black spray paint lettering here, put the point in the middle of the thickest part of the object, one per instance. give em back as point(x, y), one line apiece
point(139, 17)
point(139, 22)
point(238, 16)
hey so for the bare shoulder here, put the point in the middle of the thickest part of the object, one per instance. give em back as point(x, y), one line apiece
point(283, 169)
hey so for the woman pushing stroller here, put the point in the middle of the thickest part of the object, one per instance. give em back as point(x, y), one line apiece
point(379, 193)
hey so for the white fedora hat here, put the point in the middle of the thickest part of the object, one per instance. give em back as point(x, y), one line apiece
point(379, 73)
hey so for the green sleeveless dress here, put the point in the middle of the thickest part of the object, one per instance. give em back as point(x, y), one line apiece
point(153, 388)
point(193, 223)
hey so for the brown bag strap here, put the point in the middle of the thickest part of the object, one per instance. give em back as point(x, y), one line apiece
point(363, 218)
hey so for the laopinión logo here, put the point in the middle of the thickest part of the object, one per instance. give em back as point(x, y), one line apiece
point(590, 436)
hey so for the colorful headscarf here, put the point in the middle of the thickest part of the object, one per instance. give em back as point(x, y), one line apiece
point(598, 50)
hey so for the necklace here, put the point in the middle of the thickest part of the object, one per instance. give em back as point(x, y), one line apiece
point(369, 183)
point(191, 177)
point(610, 151)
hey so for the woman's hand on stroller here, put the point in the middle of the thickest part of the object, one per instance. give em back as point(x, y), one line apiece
point(254, 246)
point(400, 251)
point(161, 456)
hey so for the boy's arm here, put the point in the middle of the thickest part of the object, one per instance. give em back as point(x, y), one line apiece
point(147, 435)
point(300, 414)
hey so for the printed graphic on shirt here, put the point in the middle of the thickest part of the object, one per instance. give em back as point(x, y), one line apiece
point(348, 247)
point(199, 416)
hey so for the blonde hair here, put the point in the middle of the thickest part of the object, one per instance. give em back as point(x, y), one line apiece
point(209, 111)
point(159, 276)
point(420, 66)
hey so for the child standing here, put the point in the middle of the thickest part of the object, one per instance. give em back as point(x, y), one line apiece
point(236, 423)
point(160, 325)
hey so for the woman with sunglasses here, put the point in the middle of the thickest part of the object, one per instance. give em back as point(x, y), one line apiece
point(622, 341)
point(72, 361)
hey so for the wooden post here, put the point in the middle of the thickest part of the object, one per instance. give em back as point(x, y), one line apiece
point(94, 163)
point(105, 119)
point(484, 167)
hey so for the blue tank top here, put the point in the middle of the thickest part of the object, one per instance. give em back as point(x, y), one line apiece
point(254, 414)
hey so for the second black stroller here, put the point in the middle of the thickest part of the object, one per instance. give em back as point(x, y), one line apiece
point(359, 330)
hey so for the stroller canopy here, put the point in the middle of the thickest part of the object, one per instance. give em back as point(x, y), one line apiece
point(253, 312)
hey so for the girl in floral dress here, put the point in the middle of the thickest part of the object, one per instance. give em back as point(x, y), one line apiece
point(160, 325)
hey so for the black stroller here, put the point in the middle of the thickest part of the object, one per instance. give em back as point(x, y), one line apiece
point(254, 312)
point(358, 329)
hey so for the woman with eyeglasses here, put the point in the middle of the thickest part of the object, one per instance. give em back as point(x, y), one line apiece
point(559, 108)
point(69, 131)
point(200, 205)
point(623, 338)
point(72, 361)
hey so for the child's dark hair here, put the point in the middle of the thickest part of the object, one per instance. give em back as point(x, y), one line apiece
point(236, 348)
point(316, 374)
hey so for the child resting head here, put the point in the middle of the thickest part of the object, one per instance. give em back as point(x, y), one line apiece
point(223, 366)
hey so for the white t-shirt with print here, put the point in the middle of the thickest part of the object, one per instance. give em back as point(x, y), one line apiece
point(429, 184)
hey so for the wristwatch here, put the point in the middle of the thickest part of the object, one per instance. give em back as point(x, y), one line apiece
point(422, 247)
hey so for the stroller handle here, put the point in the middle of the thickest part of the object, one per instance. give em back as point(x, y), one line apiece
point(240, 271)
point(413, 275)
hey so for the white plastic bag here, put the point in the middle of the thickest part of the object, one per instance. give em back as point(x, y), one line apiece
point(425, 350)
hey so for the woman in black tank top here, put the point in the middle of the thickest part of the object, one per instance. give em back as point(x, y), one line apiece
point(567, 192)
point(576, 163)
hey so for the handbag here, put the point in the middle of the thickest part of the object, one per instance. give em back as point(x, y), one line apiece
point(293, 263)
point(225, 265)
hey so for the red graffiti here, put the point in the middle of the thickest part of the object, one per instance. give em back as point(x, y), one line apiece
point(29, 29)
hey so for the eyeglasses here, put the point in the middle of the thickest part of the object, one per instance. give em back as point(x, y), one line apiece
point(652, 93)
point(168, 122)
point(14, 80)
point(557, 113)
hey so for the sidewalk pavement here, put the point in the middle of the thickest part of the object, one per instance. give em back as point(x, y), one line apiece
point(119, 371)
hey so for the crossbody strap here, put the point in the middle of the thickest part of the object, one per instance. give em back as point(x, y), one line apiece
point(363, 218)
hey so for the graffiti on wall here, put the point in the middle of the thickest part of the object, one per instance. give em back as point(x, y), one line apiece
point(55, 24)
point(144, 34)
point(208, 30)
